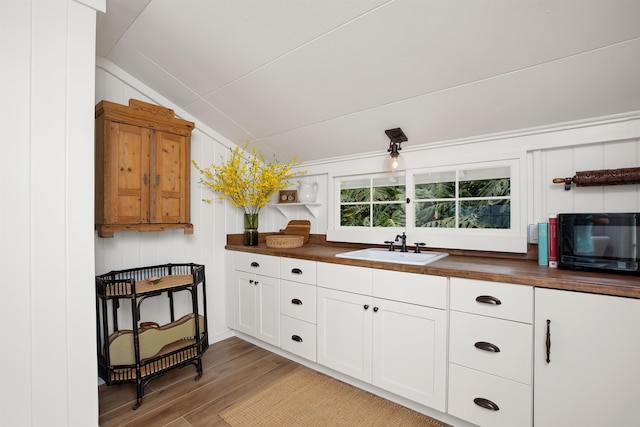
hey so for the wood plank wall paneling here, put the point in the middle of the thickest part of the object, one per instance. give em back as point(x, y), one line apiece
point(566, 161)
point(551, 154)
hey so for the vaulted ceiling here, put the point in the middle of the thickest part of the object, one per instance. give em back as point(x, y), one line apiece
point(325, 78)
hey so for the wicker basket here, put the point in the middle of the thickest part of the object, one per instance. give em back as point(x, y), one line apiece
point(284, 241)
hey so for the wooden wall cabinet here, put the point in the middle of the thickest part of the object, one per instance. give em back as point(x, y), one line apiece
point(143, 163)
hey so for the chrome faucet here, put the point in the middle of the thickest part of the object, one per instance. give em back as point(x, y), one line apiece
point(403, 248)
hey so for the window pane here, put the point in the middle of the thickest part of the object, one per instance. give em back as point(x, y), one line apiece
point(436, 214)
point(439, 185)
point(441, 190)
point(492, 182)
point(354, 215)
point(389, 188)
point(389, 194)
point(485, 214)
point(485, 188)
point(435, 177)
point(348, 195)
point(389, 215)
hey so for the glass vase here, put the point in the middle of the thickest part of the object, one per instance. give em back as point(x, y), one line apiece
point(250, 229)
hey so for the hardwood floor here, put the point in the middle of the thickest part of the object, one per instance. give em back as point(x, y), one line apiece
point(233, 370)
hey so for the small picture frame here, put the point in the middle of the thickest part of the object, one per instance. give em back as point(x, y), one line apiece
point(288, 196)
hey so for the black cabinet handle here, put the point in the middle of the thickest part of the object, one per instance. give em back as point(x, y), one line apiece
point(486, 403)
point(296, 301)
point(296, 338)
point(296, 271)
point(366, 306)
point(375, 309)
point(487, 299)
point(255, 282)
point(548, 341)
point(255, 264)
point(487, 346)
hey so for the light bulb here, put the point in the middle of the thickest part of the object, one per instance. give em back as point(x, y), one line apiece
point(393, 163)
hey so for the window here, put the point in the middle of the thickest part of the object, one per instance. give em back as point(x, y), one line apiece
point(476, 198)
point(373, 202)
point(469, 206)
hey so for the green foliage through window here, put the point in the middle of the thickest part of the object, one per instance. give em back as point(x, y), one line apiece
point(476, 198)
point(381, 203)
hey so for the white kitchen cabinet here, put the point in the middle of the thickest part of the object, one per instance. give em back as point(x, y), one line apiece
point(257, 296)
point(410, 336)
point(409, 351)
point(490, 353)
point(592, 375)
point(344, 319)
point(298, 305)
point(397, 345)
point(344, 332)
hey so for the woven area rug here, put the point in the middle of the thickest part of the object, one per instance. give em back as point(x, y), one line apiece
point(309, 398)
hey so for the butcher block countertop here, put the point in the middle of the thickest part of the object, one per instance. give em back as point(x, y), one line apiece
point(524, 272)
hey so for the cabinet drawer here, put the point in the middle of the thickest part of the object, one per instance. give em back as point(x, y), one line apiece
point(298, 300)
point(298, 270)
point(495, 299)
point(298, 337)
point(513, 399)
point(420, 289)
point(265, 265)
point(513, 339)
point(345, 278)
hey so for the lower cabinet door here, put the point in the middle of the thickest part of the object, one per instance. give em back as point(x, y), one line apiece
point(298, 337)
point(245, 300)
point(344, 332)
point(409, 351)
point(589, 374)
point(488, 400)
point(268, 310)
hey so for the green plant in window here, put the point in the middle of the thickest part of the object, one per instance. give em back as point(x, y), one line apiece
point(389, 193)
point(485, 188)
point(437, 190)
point(389, 215)
point(351, 195)
point(435, 214)
point(354, 215)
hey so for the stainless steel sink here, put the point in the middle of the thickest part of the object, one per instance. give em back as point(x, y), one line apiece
point(385, 255)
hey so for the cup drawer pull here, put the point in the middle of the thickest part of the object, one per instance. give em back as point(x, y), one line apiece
point(488, 299)
point(486, 404)
point(296, 338)
point(296, 301)
point(487, 346)
point(296, 271)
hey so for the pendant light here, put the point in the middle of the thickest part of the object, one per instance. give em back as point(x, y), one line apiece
point(394, 162)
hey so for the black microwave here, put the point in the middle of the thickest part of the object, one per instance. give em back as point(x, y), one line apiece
point(605, 242)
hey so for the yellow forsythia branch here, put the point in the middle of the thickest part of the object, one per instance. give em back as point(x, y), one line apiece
point(247, 184)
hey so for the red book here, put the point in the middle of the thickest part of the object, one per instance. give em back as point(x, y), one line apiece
point(553, 241)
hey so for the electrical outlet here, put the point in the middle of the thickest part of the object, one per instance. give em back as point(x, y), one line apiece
point(532, 236)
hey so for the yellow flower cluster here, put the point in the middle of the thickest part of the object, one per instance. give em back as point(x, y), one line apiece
point(247, 184)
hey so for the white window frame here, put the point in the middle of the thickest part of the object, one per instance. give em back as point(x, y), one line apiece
point(513, 239)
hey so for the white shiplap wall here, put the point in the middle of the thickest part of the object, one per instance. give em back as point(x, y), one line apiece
point(564, 162)
point(47, 309)
point(128, 249)
point(551, 152)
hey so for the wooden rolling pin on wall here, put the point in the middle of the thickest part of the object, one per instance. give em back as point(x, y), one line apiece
point(601, 177)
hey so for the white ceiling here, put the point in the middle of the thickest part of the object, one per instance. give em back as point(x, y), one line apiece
point(325, 78)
